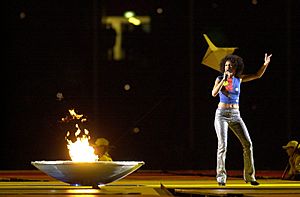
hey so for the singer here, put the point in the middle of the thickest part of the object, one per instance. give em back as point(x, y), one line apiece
point(228, 115)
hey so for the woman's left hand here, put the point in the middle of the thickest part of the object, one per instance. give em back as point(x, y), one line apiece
point(267, 59)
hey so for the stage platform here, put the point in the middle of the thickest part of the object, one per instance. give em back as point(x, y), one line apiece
point(150, 183)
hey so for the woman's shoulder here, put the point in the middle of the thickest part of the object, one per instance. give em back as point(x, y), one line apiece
point(238, 78)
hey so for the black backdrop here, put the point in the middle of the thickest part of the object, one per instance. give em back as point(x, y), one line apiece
point(57, 47)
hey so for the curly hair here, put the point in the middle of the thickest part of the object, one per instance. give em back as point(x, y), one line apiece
point(237, 64)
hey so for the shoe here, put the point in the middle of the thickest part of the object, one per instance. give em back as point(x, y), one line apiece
point(221, 181)
point(254, 183)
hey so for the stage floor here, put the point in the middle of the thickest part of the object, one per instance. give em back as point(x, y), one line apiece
point(150, 183)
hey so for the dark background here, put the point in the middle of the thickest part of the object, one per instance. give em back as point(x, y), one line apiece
point(59, 46)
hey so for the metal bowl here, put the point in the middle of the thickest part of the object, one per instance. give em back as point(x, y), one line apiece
point(88, 173)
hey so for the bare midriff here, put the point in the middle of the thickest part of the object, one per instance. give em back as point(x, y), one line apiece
point(228, 106)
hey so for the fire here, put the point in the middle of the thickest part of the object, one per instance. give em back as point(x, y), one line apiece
point(80, 150)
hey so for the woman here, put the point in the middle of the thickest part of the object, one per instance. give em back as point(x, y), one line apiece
point(228, 114)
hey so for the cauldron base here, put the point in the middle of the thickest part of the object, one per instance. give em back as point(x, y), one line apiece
point(88, 173)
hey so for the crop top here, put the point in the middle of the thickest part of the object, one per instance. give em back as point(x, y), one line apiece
point(230, 92)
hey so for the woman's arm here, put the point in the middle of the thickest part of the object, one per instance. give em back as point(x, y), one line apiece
point(260, 72)
point(218, 85)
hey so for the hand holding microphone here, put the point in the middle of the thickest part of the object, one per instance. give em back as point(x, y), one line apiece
point(226, 75)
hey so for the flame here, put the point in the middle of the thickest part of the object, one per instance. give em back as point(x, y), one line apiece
point(80, 150)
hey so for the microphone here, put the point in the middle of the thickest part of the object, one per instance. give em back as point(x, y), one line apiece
point(226, 76)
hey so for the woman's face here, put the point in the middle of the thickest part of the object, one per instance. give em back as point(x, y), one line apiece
point(229, 67)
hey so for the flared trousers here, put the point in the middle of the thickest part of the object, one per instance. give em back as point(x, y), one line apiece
point(231, 118)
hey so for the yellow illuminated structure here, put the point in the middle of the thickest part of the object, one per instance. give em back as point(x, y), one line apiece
point(214, 54)
point(117, 22)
